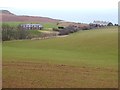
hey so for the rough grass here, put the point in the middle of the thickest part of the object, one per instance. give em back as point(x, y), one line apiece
point(34, 32)
point(83, 59)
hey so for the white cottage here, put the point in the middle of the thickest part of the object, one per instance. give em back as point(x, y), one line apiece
point(31, 26)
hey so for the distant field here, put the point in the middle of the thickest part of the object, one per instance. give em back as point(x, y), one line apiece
point(84, 59)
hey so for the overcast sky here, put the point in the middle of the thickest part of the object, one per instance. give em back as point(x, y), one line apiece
point(85, 11)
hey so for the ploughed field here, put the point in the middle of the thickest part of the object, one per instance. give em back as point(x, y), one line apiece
point(85, 59)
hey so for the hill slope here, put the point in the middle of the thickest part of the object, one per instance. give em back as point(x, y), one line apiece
point(7, 16)
point(85, 59)
point(100, 44)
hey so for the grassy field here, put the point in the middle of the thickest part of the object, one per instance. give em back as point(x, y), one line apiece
point(84, 59)
point(34, 32)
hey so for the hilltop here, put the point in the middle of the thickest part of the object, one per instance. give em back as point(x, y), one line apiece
point(6, 12)
point(7, 16)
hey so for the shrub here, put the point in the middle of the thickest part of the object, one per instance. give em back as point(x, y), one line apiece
point(11, 33)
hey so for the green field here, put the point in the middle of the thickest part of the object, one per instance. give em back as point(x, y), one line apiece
point(84, 59)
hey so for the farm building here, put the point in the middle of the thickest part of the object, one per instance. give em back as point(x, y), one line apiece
point(102, 23)
point(31, 26)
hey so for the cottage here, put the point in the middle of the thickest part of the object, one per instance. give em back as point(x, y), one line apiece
point(31, 26)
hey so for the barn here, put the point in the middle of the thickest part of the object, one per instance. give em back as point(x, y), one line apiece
point(31, 26)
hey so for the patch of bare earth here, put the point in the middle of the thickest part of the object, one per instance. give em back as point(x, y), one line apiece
point(46, 75)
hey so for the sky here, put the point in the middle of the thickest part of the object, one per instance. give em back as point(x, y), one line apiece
point(84, 11)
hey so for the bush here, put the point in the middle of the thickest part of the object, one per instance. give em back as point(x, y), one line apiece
point(67, 30)
point(64, 32)
point(86, 28)
point(13, 33)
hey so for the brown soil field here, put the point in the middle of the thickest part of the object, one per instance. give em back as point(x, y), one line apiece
point(46, 75)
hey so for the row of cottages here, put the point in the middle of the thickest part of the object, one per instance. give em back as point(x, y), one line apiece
point(102, 23)
point(31, 26)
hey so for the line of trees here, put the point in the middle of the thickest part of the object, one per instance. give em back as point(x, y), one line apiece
point(13, 33)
